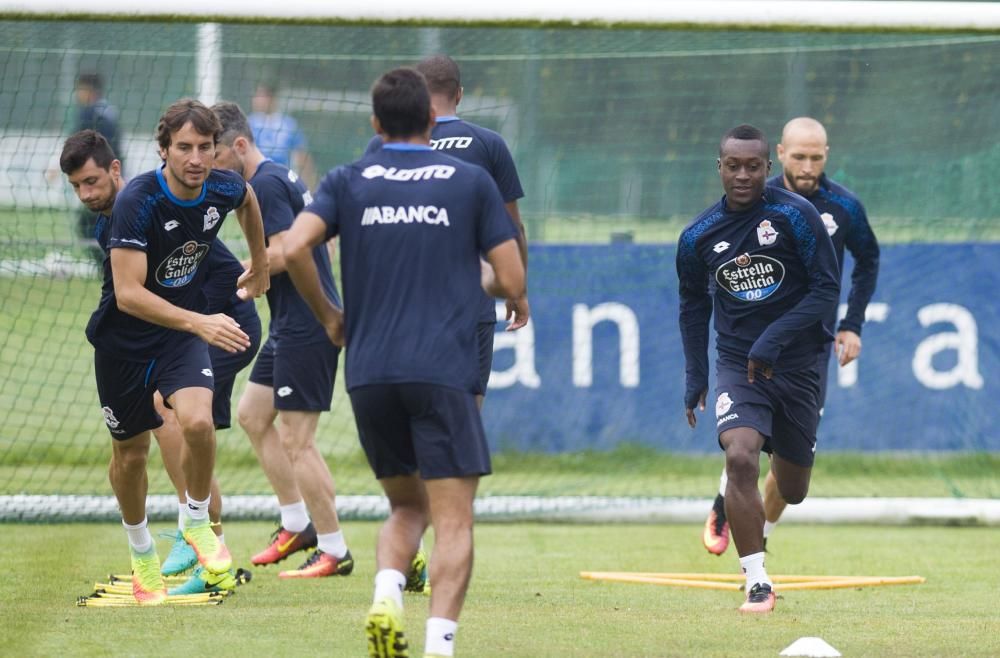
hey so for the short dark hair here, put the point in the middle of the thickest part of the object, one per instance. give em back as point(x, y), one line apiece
point(82, 146)
point(402, 103)
point(234, 122)
point(746, 133)
point(92, 80)
point(442, 75)
point(182, 111)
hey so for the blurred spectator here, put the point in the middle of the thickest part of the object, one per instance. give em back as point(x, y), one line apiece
point(278, 135)
point(95, 113)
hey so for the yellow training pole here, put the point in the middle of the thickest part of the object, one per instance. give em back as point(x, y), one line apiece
point(677, 582)
point(873, 581)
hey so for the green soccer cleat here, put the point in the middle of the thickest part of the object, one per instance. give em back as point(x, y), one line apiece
point(181, 557)
point(212, 554)
point(384, 630)
point(147, 583)
point(416, 578)
point(202, 581)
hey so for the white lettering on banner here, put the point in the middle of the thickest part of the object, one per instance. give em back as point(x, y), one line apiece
point(522, 341)
point(964, 341)
point(431, 215)
point(408, 175)
point(847, 376)
point(451, 143)
point(584, 320)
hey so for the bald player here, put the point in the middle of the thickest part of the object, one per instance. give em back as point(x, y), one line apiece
point(803, 155)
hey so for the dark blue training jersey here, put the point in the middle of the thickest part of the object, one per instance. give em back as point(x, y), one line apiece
point(176, 236)
point(412, 224)
point(480, 146)
point(847, 224)
point(774, 276)
point(282, 195)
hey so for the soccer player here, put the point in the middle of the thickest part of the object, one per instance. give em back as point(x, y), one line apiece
point(803, 152)
point(483, 147)
point(94, 172)
point(774, 278)
point(149, 335)
point(278, 136)
point(412, 223)
point(292, 379)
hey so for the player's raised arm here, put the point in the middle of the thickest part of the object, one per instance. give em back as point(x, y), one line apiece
point(308, 231)
point(695, 313)
point(257, 279)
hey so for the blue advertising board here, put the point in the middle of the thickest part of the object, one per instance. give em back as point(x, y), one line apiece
point(601, 363)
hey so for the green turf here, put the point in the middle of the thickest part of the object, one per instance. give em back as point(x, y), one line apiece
point(526, 598)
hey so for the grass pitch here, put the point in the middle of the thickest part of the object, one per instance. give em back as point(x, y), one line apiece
point(527, 598)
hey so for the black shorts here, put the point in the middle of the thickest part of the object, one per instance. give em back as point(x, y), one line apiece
point(125, 388)
point(484, 337)
point(227, 364)
point(428, 429)
point(785, 409)
point(823, 365)
point(302, 376)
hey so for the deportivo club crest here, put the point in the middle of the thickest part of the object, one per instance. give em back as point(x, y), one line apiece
point(766, 235)
point(212, 218)
point(831, 226)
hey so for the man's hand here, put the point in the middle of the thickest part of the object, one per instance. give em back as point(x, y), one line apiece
point(692, 419)
point(221, 331)
point(848, 346)
point(253, 283)
point(335, 328)
point(519, 311)
point(752, 366)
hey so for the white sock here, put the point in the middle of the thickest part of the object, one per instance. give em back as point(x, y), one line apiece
point(182, 509)
point(753, 567)
point(222, 539)
point(768, 527)
point(294, 517)
point(389, 583)
point(440, 636)
point(723, 481)
point(197, 510)
point(332, 543)
point(138, 536)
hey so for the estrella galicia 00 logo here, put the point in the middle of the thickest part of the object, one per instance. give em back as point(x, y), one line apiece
point(750, 278)
point(179, 267)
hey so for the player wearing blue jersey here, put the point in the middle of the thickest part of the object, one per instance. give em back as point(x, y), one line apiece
point(774, 280)
point(803, 155)
point(483, 147)
point(90, 165)
point(412, 224)
point(292, 380)
point(149, 334)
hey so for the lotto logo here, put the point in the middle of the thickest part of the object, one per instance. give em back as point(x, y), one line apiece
point(446, 143)
point(285, 391)
point(408, 175)
point(207, 372)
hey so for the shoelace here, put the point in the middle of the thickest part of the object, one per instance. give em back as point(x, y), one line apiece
point(312, 559)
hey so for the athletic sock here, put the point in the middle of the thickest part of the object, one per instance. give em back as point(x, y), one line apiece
point(768, 527)
point(294, 517)
point(440, 636)
point(723, 481)
point(138, 536)
point(182, 509)
point(389, 583)
point(753, 567)
point(197, 510)
point(332, 543)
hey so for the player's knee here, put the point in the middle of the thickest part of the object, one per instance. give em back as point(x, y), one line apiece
point(251, 420)
point(198, 426)
point(793, 494)
point(742, 464)
point(129, 459)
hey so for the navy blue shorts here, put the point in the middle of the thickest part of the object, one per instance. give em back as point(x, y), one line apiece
point(785, 409)
point(823, 364)
point(302, 376)
point(428, 429)
point(125, 388)
point(484, 337)
point(227, 365)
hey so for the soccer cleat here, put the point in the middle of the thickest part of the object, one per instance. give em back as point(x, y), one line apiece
point(715, 536)
point(212, 554)
point(384, 630)
point(416, 578)
point(761, 598)
point(202, 581)
point(321, 564)
point(147, 583)
point(181, 557)
point(284, 543)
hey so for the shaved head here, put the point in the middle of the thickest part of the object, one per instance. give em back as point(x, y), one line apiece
point(802, 153)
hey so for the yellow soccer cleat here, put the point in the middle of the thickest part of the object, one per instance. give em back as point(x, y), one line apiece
point(212, 554)
point(147, 583)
